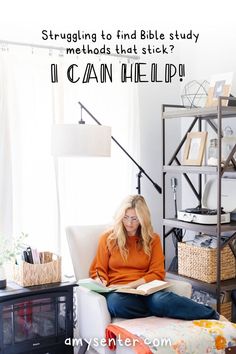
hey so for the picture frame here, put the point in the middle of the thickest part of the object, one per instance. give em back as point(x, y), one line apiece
point(194, 148)
point(220, 85)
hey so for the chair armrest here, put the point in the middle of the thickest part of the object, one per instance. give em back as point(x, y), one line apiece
point(180, 287)
point(93, 315)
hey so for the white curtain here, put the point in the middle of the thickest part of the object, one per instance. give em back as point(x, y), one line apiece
point(40, 195)
point(6, 212)
point(28, 194)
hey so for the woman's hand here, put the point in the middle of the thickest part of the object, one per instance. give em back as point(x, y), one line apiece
point(132, 284)
point(136, 283)
point(101, 280)
point(120, 286)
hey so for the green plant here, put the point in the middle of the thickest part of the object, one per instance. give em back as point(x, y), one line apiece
point(9, 249)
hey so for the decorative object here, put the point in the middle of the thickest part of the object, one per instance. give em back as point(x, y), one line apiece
point(89, 140)
point(213, 153)
point(194, 148)
point(8, 250)
point(228, 150)
point(3, 279)
point(27, 274)
point(201, 262)
point(228, 143)
point(220, 85)
point(195, 93)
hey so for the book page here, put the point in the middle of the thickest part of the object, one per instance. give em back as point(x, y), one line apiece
point(146, 289)
point(152, 284)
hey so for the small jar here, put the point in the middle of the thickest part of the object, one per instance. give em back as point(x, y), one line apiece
point(228, 142)
point(212, 153)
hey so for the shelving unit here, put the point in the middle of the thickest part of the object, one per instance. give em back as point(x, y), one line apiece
point(213, 116)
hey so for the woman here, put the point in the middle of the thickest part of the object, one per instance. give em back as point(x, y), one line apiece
point(131, 253)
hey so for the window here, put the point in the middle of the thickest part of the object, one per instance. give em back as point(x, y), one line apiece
point(32, 182)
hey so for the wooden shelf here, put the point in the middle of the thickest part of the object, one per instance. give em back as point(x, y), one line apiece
point(209, 170)
point(191, 169)
point(204, 113)
point(209, 229)
point(226, 285)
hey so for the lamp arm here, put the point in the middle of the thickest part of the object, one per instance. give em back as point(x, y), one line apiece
point(156, 186)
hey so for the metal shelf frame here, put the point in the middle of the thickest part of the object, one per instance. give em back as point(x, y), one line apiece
point(213, 116)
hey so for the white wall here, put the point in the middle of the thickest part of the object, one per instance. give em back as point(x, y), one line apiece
point(151, 99)
point(152, 96)
point(215, 52)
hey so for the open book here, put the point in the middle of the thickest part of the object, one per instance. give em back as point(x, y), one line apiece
point(94, 285)
point(144, 289)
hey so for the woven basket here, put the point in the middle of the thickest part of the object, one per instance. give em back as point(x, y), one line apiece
point(27, 274)
point(200, 263)
point(226, 310)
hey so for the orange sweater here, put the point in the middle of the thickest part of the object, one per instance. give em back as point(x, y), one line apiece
point(115, 270)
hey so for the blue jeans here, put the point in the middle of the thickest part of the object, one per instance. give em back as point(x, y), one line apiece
point(161, 304)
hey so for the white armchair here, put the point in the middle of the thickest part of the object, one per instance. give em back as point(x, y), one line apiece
point(93, 315)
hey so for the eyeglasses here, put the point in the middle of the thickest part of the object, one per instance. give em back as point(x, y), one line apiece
point(131, 219)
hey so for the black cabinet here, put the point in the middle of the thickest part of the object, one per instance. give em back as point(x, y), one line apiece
point(37, 319)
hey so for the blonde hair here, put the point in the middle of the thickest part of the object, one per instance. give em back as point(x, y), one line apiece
point(118, 236)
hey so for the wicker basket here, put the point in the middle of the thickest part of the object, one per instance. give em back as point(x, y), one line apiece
point(200, 263)
point(226, 310)
point(27, 274)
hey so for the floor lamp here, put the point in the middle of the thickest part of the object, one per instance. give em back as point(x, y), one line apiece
point(71, 140)
point(89, 140)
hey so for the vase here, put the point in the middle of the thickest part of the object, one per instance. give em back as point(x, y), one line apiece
point(3, 281)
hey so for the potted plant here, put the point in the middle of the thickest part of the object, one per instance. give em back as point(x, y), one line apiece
point(8, 251)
